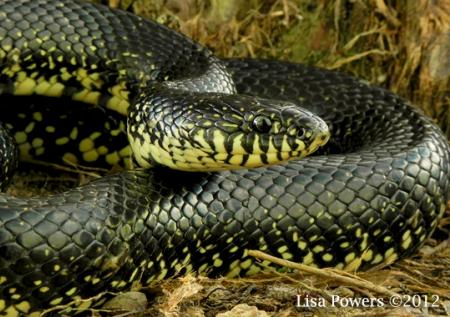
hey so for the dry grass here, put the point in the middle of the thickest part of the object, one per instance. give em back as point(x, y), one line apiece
point(404, 47)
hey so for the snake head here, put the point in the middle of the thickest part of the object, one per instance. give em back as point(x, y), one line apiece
point(265, 132)
point(211, 132)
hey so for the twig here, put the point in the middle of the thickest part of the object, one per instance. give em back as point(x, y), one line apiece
point(310, 288)
point(75, 169)
point(328, 273)
point(384, 10)
point(350, 59)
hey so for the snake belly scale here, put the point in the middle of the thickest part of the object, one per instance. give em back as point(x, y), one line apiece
point(372, 195)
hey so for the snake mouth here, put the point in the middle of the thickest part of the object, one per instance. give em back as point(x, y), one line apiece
point(225, 161)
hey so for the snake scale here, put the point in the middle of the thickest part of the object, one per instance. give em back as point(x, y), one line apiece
point(371, 196)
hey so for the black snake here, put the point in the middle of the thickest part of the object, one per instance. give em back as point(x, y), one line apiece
point(372, 195)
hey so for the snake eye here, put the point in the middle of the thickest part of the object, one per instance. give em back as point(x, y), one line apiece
point(262, 124)
point(301, 132)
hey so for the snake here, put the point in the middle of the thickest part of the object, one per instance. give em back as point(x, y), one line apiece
point(224, 148)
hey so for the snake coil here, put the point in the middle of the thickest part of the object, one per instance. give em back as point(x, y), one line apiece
point(371, 196)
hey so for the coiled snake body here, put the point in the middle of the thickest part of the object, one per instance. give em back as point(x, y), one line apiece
point(372, 195)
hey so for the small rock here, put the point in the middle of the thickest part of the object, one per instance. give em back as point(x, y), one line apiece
point(127, 302)
point(244, 310)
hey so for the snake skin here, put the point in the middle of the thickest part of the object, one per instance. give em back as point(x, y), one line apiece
point(372, 196)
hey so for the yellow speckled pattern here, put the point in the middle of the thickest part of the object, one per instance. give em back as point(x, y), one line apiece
point(370, 196)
